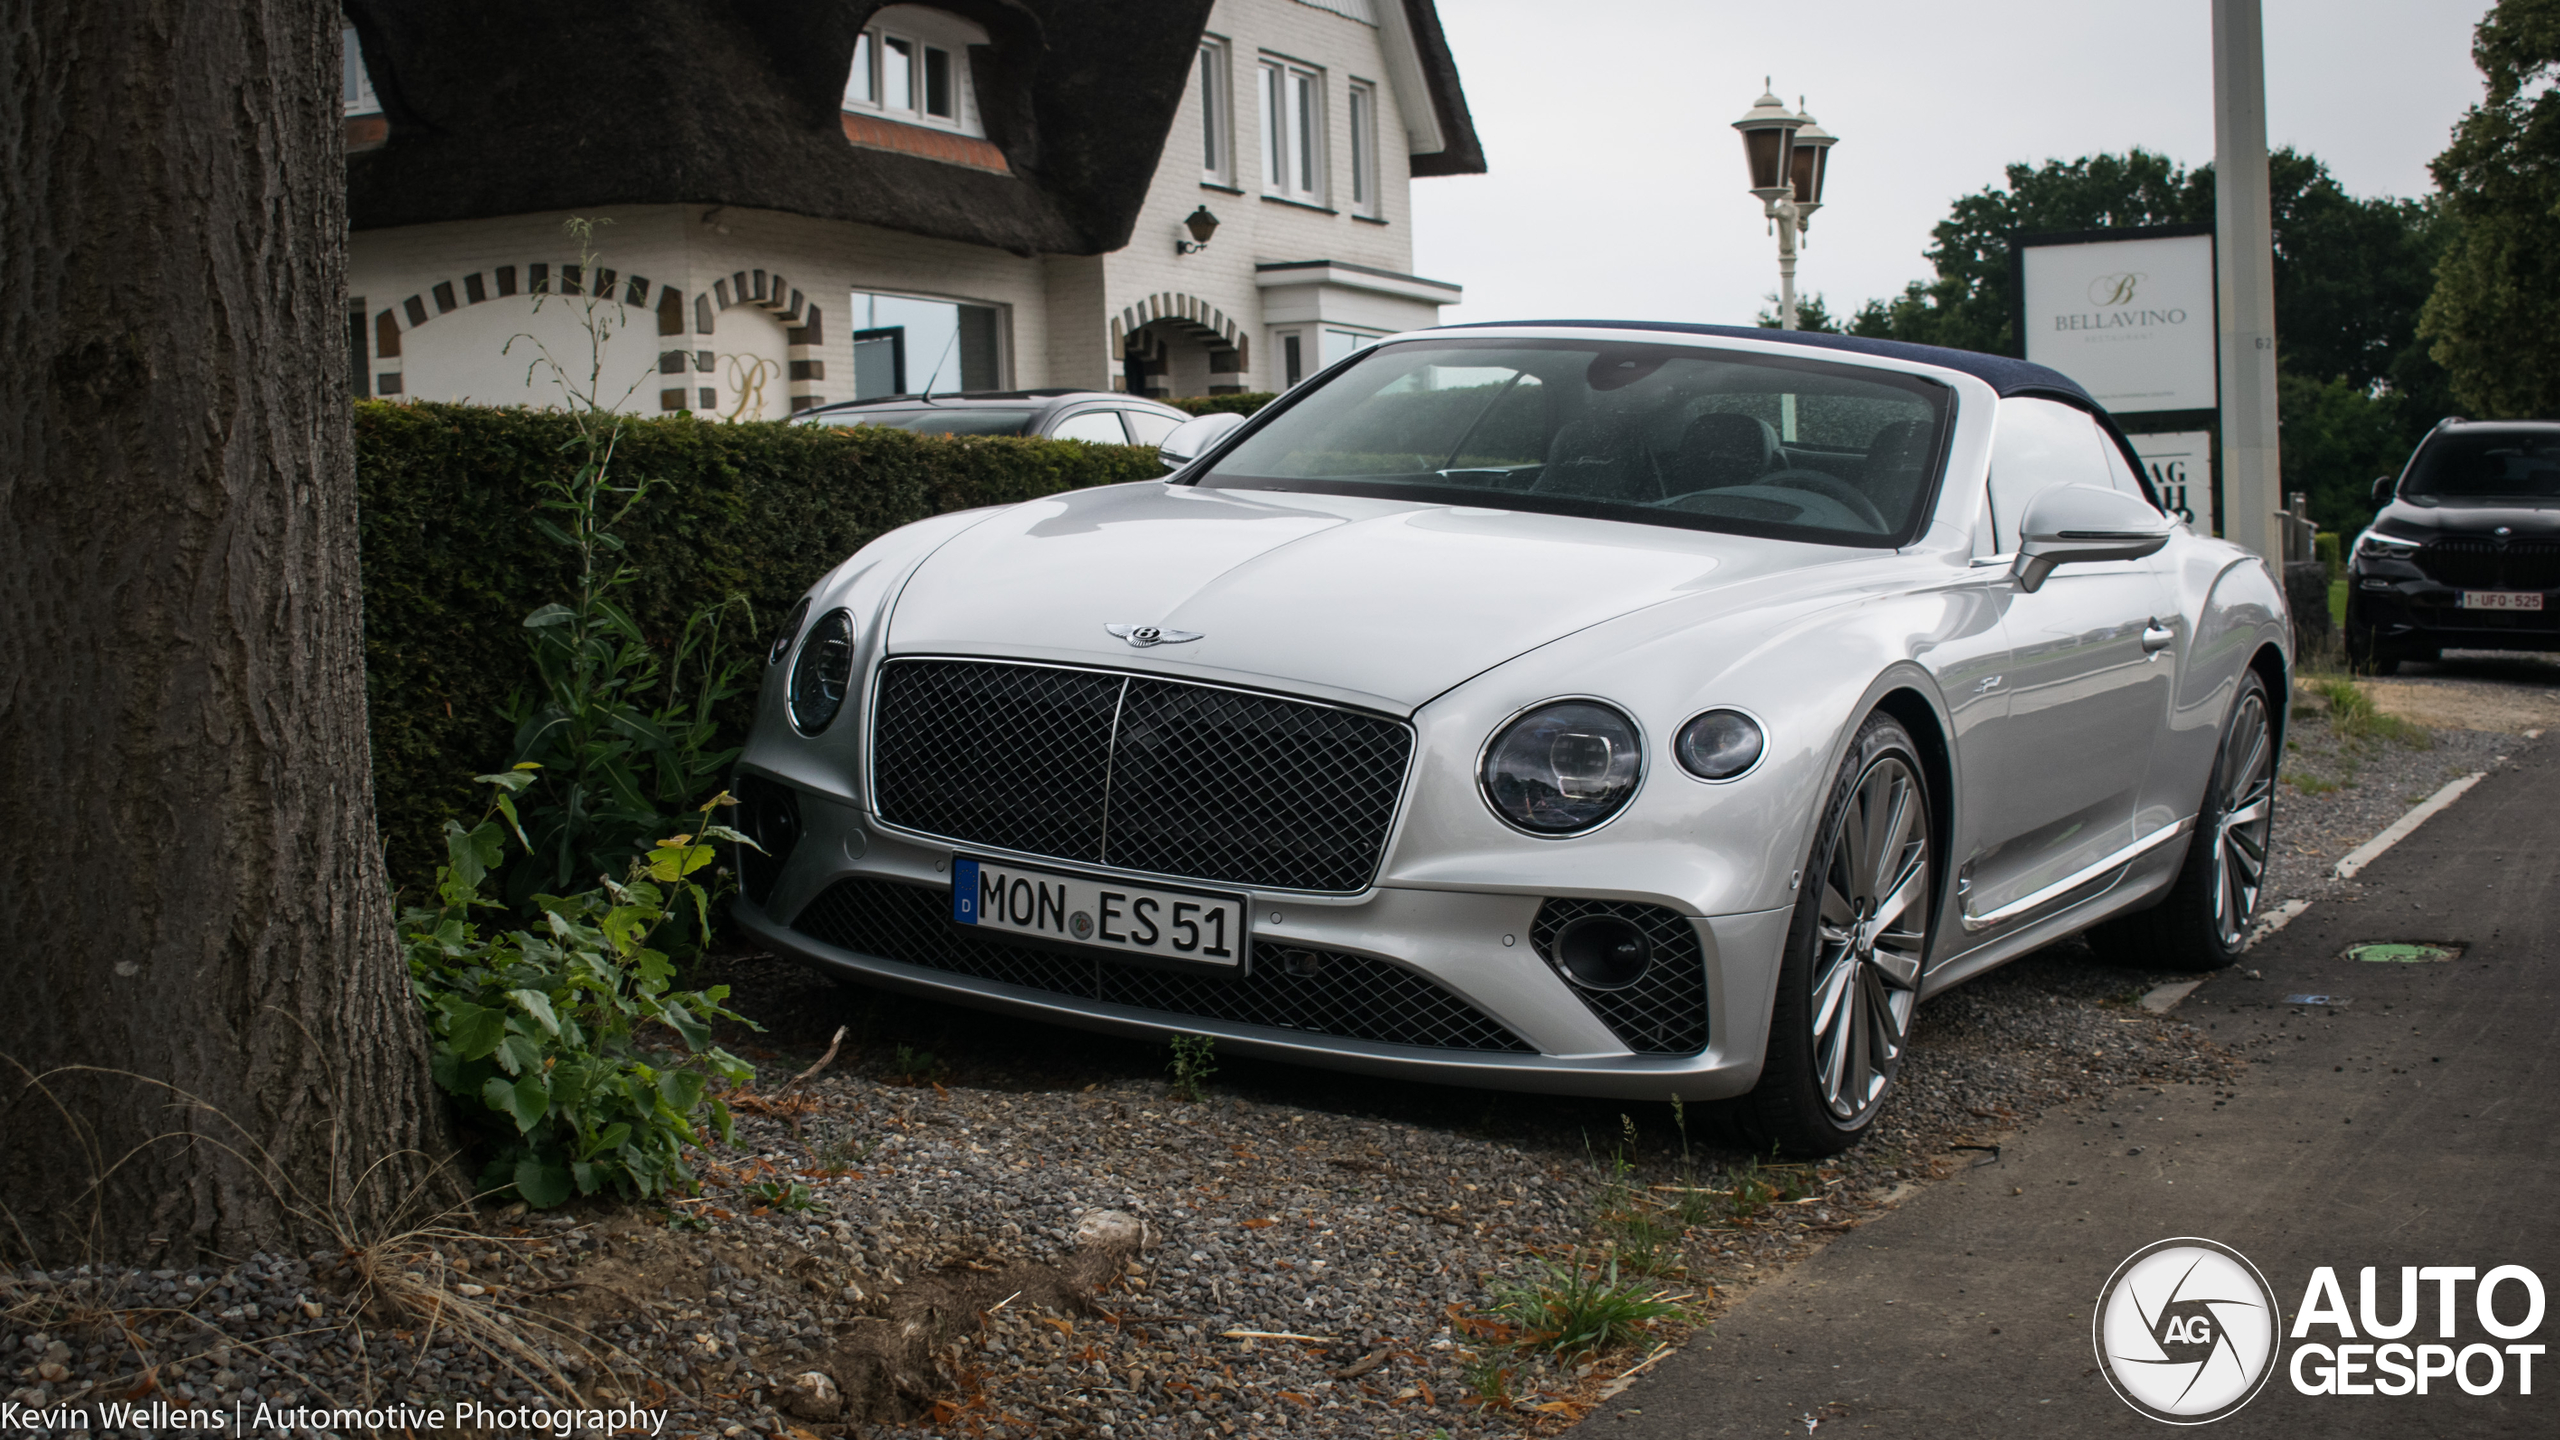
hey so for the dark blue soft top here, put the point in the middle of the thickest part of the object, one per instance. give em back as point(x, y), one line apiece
point(2009, 377)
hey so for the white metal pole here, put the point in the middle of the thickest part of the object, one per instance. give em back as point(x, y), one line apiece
point(1784, 212)
point(2245, 266)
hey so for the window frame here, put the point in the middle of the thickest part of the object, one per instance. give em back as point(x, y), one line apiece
point(1295, 134)
point(923, 35)
point(1216, 81)
point(1360, 112)
point(352, 75)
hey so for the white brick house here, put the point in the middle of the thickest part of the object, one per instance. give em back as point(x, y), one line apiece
point(937, 257)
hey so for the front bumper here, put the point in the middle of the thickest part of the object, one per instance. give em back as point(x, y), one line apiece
point(1453, 957)
point(2419, 613)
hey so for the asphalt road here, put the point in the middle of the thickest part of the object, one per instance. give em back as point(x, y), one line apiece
point(2410, 1124)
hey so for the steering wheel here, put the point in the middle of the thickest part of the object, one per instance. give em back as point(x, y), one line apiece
point(1831, 488)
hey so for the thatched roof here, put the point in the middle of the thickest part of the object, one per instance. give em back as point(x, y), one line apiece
point(507, 108)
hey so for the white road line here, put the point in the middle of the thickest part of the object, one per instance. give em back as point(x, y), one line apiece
point(2371, 850)
point(2275, 920)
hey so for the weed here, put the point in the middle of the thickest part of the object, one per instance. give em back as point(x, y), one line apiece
point(843, 1154)
point(539, 1035)
point(2354, 717)
point(1191, 1066)
point(784, 1195)
point(917, 1067)
point(1576, 1309)
point(2310, 784)
point(1488, 1379)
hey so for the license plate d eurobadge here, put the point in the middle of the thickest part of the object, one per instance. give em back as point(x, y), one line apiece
point(1167, 925)
point(2501, 600)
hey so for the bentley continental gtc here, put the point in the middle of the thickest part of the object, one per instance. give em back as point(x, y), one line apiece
point(1615, 709)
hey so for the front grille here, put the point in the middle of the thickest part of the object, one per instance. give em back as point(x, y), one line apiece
point(1665, 1011)
point(1141, 773)
point(2470, 564)
point(1320, 992)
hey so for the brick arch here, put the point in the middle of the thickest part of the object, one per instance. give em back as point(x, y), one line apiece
point(766, 290)
point(1187, 314)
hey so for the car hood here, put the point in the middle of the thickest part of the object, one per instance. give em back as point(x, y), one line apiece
point(2413, 520)
point(1371, 601)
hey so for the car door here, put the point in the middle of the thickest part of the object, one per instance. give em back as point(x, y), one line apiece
point(1099, 427)
point(2089, 676)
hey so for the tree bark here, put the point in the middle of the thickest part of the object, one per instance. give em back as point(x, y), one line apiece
point(198, 901)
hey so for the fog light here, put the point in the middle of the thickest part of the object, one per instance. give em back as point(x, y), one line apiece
point(1603, 952)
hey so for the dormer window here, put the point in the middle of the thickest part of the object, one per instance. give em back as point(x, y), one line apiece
point(355, 86)
point(913, 65)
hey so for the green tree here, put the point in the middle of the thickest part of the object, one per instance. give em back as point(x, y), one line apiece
point(1811, 314)
point(2494, 318)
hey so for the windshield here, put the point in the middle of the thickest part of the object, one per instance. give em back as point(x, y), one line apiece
point(1662, 434)
point(2487, 465)
point(938, 420)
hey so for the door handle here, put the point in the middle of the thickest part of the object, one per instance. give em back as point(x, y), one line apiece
point(2157, 637)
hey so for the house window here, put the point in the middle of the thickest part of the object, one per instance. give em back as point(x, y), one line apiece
point(913, 65)
point(1293, 358)
point(1361, 98)
point(1338, 343)
point(1293, 130)
point(1217, 117)
point(355, 86)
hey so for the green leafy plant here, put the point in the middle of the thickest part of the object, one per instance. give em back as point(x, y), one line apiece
point(787, 1195)
point(1571, 1308)
point(537, 1031)
point(1191, 1066)
point(917, 1067)
point(621, 743)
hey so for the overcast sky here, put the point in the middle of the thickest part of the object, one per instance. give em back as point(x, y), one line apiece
point(1618, 189)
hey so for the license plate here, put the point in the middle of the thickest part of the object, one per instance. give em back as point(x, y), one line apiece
point(2501, 600)
point(1185, 927)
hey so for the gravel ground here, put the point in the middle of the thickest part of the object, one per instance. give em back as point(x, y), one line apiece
point(1004, 1229)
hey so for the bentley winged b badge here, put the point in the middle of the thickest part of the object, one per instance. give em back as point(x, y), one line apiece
point(1143, 636)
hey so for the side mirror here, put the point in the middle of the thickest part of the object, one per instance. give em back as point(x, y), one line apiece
point(1193, 438)
point(2067, 524)
point(2382, 488)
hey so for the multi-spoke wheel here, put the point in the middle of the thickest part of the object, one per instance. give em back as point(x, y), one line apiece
point(1851, 974)
point(2203, 920)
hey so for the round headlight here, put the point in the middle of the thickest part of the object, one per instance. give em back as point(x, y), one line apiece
point(1562, 767)
point(1719, 745)
point(825, 672)
point(789, 632)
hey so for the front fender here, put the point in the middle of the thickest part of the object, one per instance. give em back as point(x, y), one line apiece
point(2233, 609)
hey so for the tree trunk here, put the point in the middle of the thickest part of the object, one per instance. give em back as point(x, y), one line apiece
point(198, 900)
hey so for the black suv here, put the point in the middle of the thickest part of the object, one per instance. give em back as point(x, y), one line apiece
point(2466, 552)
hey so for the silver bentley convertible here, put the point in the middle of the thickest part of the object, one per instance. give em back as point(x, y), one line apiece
point(1612, 709)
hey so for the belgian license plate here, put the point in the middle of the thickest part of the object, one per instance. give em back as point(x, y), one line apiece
point(2501, 600)
point(1186, 927)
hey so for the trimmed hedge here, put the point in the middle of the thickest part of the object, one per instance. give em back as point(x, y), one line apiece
point(453, 564)
point(1244, 404)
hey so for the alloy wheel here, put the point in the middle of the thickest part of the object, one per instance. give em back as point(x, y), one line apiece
point(1872, 934)
point(2247, 814)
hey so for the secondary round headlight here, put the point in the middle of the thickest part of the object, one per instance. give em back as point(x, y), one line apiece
point(825, 672)
point(1562, 767)
point(1719, 745)
point(789, 632)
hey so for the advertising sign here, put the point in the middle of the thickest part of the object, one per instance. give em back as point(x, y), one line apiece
point(2130, 319)
point(2181, 466)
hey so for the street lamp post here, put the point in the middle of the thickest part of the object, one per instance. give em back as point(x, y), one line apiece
point(1789, 157)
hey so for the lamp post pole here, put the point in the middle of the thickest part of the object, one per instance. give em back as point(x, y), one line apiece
point(1789, 156)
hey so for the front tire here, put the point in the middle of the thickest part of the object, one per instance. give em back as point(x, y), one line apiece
point(2204, 922)
point(2368, 653)
point(1850, 976)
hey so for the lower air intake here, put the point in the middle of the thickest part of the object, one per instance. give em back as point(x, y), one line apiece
point(1664, 1012)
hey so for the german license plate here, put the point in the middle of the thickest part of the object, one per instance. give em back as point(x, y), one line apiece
point(2501, 600)
point(1187, 927)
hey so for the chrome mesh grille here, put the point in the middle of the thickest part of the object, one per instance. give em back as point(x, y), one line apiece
point(1137, 772)
point(1665, 1011)
point(1321, 992)
point(2484, 564)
